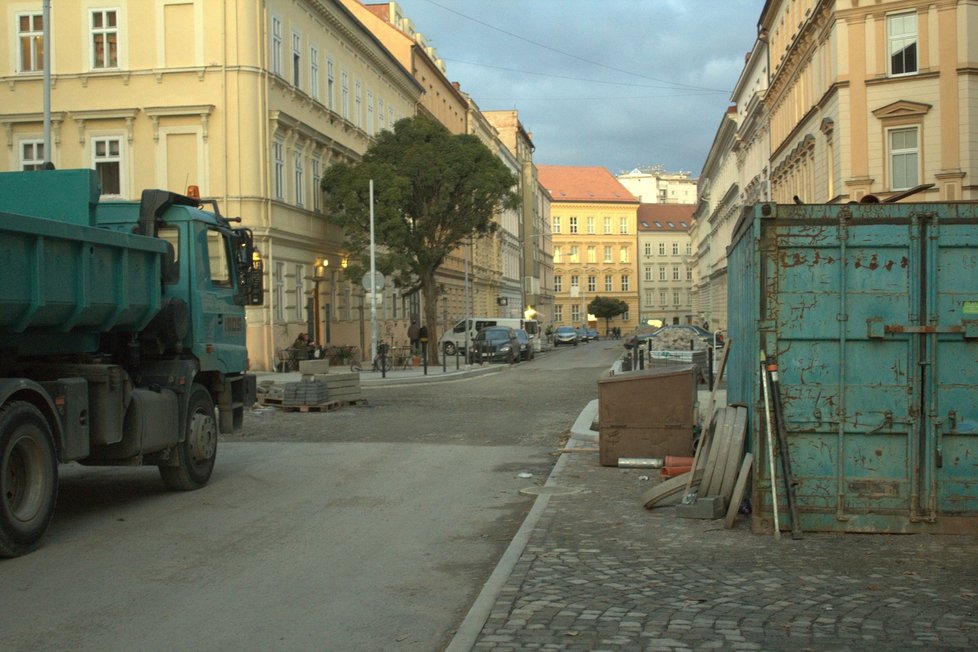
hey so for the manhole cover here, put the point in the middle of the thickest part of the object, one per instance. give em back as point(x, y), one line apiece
point(550, 491)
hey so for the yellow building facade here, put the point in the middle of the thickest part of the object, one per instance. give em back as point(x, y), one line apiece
point(250, 101)
point(593, 224)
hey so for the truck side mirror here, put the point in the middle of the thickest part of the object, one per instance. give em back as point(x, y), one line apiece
point(250, 270)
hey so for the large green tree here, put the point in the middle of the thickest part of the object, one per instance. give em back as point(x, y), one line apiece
point(607, 308)
point(432, 190)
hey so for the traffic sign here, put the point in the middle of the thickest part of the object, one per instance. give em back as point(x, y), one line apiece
point(378, 283)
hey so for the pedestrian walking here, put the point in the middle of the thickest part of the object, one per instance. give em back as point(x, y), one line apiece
point(414, 336)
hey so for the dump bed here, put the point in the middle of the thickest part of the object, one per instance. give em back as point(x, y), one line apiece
point(65, 283)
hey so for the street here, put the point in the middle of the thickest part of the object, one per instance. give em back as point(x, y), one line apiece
point(365, 528)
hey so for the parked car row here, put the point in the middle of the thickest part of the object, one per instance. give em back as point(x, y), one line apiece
point(570, 335)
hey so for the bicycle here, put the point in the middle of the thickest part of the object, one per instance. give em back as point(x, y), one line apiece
point(381, 362)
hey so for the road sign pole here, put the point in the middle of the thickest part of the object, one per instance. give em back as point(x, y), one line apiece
point(373, 279)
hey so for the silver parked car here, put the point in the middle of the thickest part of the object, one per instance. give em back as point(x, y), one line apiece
point(565, 335)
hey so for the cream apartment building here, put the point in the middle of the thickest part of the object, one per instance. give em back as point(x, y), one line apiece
point(665, 282)
point(593, 221)
point(655, 185)
point(872, 98)
point(250, 101)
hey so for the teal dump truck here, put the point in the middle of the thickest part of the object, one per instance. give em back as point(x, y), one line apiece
point(122, 337)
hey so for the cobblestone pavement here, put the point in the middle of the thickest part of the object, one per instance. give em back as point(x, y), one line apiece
point(600, 572)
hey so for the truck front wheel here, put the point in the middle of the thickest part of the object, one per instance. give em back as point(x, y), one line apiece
point(28, 478)
point(197, 452)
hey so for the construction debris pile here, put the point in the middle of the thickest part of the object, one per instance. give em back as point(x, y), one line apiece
point(675, 340)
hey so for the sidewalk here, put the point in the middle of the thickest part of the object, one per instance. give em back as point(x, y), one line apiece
point(394, 376)
point(592, 569)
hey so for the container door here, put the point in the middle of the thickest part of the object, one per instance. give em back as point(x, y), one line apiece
point(952, 350)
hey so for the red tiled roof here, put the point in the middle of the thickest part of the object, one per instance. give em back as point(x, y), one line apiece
point(587, 184)
point(665, 217)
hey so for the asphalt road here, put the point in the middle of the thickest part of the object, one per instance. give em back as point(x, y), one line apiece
point(365, 528)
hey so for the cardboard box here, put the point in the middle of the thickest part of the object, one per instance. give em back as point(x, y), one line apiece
point(648, 413)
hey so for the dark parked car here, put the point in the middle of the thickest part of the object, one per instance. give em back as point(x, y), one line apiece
point(582, 335)
point(526, 344)
point(638, 339)
point(565, 335)
point(495, 344)
point(592, 334)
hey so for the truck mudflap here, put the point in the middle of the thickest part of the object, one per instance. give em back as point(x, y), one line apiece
point(61, 402)
point(238, 393)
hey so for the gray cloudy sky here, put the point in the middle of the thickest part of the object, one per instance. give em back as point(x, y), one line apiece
point(616, 83)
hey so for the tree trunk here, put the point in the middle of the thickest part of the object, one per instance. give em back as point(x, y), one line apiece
point(429, 292)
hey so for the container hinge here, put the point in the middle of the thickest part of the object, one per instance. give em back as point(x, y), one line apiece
point(968, 329)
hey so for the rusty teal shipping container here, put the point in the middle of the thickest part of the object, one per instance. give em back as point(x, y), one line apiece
point(871, 311)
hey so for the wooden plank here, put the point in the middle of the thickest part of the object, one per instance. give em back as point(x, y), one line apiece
point(700, 456)
point(668, 488)
point(711, 406)
point(735, 452)
point(721, 432)
point(738, 491)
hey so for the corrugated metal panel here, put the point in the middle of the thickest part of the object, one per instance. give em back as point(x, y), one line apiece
point(872, 313)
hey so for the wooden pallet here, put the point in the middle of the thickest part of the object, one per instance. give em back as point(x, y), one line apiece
point(322, 407)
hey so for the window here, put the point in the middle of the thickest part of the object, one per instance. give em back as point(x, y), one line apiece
point(662, 272)
point(607, 254)
point(675, 273)
point(370, 113)
point(575, 313)
point(358, 103)
point(662, 248)
point(555, 225)
point(345, 92)
point(904, 157)
point(689, 249)
point(648, 273)
point(623, 225)
point(107, 160)
point(31, 154)
point(330, 85)
point(624, 316)
point(573, 225)
point(276, 45)
point(607, 226)
point(317, 177)
point(380, 113)
point(675, 248)
point(623, 255)
point(300, 191)
point(278, 154)
point(592, 283)
point(592, 254)
point(607, 283)
point(314, 72)
point(279, 289)
point(558, 283)
point(296, 58)
point(662, 298)
point(391, 119)
point(574, 255)
point(902, 42)
point(300, 294)
point(105, 39)
point(590, 225)
point(30, 35)
point(558, 313)
point(217, 256)
point(575, 282)
point(624, 282)
point(689, 273)
point(675, 298)
point(558, 255)
point(648, 248)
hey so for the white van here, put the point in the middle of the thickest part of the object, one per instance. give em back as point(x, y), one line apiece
point(454, 340)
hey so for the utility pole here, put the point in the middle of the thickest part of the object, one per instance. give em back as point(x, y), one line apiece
point(46, 31)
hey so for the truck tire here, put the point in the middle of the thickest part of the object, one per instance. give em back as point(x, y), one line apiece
point(28, 478)
point(197, 452)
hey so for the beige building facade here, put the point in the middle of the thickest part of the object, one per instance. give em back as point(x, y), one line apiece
point(593, 221)
point(249, 101)
point(665, 267)
point(654, 185)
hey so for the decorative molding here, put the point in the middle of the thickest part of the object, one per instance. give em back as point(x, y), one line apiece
point(156, 112)
point(81, 117)
point(901, 109)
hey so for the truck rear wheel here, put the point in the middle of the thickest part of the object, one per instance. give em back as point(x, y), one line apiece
point(197, 452)
point(28, 478)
